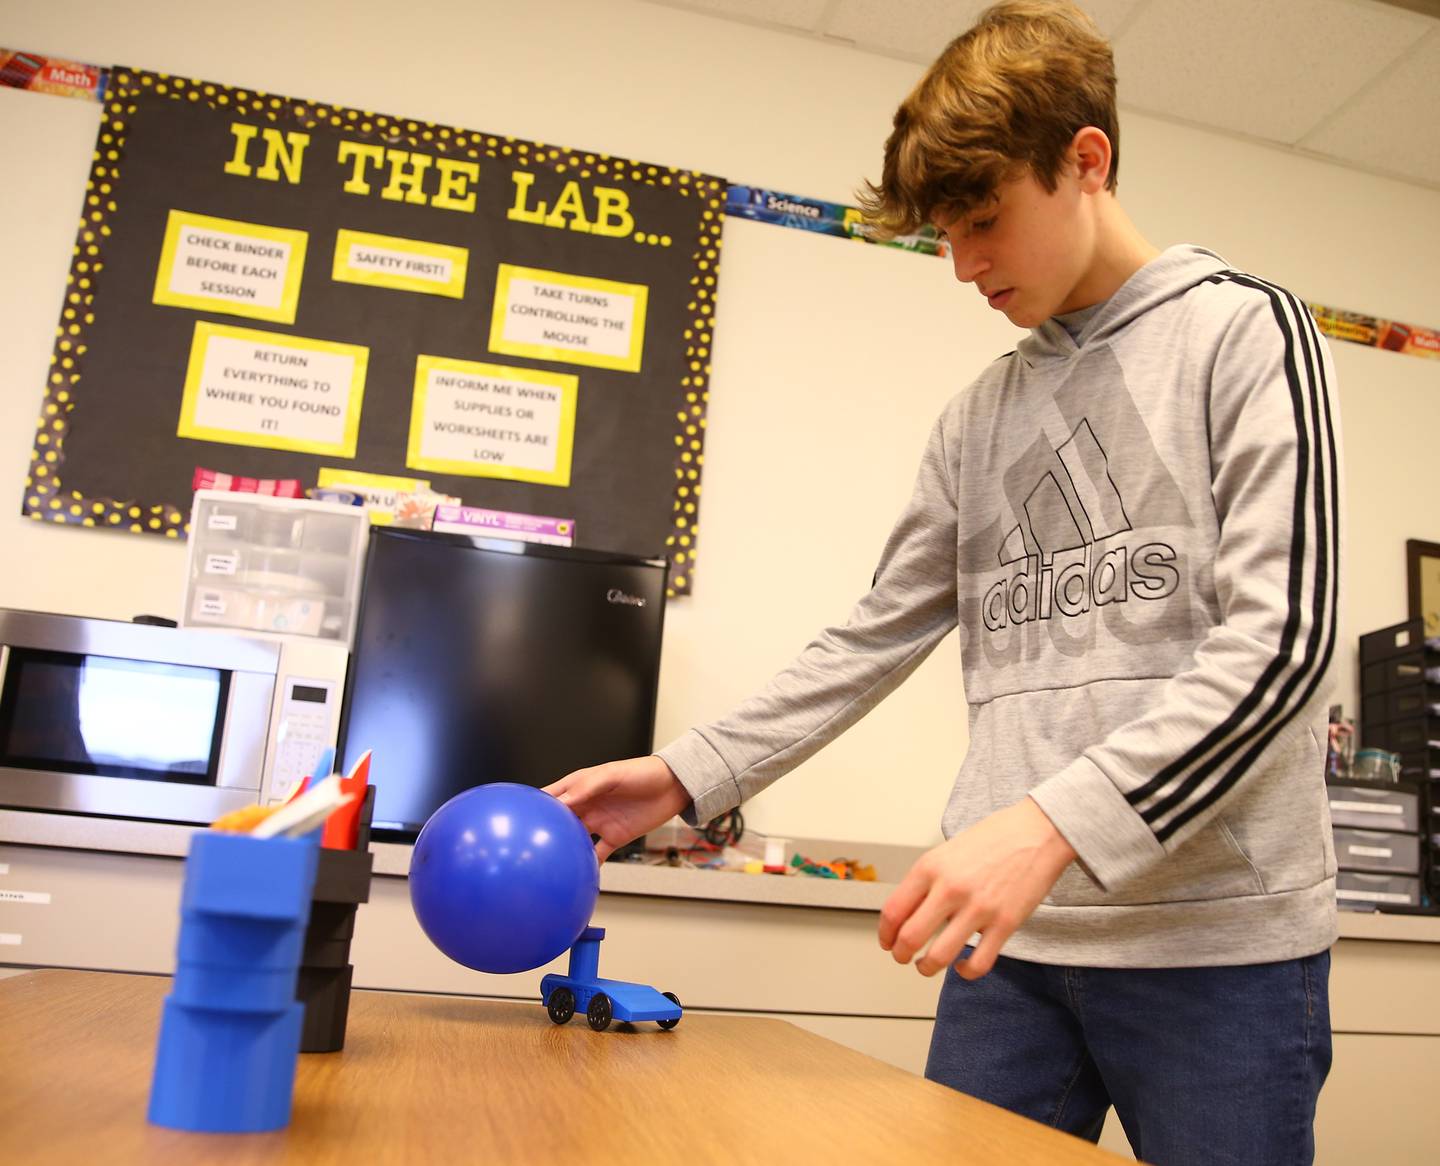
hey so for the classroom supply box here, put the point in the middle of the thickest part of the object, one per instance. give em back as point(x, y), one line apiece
point(274, 566)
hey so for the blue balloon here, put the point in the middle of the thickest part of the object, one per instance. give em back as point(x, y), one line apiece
point(503, 878)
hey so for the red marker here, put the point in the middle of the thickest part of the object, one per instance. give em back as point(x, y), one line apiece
point(342, 828)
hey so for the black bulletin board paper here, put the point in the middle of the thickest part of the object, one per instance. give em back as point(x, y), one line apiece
point(186, 172)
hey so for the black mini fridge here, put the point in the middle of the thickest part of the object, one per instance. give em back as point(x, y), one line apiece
point(479, 660)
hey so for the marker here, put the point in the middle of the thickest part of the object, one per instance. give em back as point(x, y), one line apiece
point(307, 812)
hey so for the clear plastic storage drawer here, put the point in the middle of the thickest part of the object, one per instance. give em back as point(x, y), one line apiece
point(279, 566)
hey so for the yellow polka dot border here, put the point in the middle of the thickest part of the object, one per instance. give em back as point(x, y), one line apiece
point(47, 498)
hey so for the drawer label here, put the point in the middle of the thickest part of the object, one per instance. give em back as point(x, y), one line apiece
point(1375, 896)
point(210, 603)
point(24, 896)
point(1372, 851)
point(1367, 808)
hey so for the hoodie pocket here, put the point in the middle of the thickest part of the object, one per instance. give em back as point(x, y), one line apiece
point(1211, 865)
point(1281, 818)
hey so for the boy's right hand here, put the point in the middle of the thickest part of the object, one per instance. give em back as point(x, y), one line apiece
point(622, 800)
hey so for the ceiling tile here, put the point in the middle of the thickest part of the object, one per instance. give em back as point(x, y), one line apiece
point(1395, 125)
point(802, 14)
point(1273, 70)
point(919, 30)
point(925, 28)
point(1348, 80)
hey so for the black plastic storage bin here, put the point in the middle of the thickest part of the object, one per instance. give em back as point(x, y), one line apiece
point(342, 883)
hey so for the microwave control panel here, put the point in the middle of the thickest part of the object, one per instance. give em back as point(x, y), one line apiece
point(305, 728)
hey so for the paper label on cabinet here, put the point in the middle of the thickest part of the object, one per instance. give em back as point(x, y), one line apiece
point(210, 603)
point(1367, 808)
point(24, 896)
point(1375, 896)
point(222, 564)
point(1371, 851)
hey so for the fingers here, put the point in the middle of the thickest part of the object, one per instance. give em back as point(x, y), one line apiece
point(994, 930)
point(987, 951)
point(577, 789)
point(619, 800)
point(945, 949)
point(915, 931)
point(901, 905)
point(572, 786)
point(922, 910)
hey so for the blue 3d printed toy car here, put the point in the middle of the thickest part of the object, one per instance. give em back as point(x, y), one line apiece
point(603, 1000)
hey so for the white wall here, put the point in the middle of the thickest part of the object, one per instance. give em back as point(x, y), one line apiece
point(830, 360)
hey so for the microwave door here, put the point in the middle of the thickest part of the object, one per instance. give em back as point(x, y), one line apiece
point(126, 737)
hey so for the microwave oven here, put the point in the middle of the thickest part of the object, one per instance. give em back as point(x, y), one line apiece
point(131, 720)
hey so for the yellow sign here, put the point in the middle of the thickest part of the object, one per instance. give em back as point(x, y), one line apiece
point(267, 389)
point(491, 421)
point(549, 315)
point(221, 265)
point(403, 264)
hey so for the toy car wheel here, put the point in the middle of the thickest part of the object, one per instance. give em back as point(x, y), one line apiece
point(599, 1012)
point(561, 1005)
point(667, 1025)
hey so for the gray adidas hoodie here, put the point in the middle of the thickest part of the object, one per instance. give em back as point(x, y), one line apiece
point(1137, 534)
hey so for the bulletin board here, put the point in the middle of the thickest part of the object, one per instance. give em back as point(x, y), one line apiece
point(281, 289)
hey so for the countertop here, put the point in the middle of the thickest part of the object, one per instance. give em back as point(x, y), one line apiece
point(161, 840)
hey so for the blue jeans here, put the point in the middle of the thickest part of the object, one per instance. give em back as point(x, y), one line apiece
point(1220, 1066)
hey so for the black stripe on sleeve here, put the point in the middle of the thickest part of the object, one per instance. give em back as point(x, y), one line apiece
point(1297, 553)
point(1326, 592)
point(1225, 738)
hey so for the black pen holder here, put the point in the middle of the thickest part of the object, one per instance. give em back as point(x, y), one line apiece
point(342, 883)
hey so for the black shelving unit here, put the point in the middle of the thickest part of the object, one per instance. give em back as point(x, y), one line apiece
point(1400, 712)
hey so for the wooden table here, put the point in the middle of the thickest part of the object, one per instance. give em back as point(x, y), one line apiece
point(451, 1079)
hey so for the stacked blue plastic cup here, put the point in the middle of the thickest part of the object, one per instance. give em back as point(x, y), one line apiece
point(230, 1031)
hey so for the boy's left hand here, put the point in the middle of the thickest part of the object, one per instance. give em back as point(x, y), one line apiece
point(988, 878)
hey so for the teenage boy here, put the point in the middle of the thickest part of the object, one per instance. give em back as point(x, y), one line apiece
point(1133, 520)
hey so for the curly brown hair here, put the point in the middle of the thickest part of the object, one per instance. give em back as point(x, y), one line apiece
point(1005, 97)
